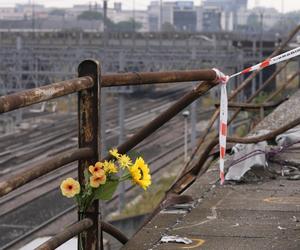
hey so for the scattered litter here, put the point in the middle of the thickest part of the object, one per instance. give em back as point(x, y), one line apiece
point(246, 156)
point(235, 225)
point(288, 137)
point(295, 219)
point(182, 208)
point(287, 171)
point(175, 239)
point(173, 211)
point(250, 161)
point(294, 177)
point(281, 228)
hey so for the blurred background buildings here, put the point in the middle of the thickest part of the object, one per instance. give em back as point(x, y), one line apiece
point(167, 16)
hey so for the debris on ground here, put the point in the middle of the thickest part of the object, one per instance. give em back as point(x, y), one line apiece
point(175, 239)
point(254, 162)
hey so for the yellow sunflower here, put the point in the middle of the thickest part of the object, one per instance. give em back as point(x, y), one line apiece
point(124, 161)
point(140, 173)
point(110, 167)
point(114, 152)
point(70, 187)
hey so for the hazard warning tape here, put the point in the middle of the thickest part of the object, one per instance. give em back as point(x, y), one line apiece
point(223, 80)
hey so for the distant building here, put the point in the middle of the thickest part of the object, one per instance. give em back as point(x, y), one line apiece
point(226, 12)
point(10, 14)
point(226, 5)
point(211, 16)
point(181, 14)
point(154, 16)
point(23, 12)
point(257, 19)
point(185, 16)
point(211, 19)
point(37, 11)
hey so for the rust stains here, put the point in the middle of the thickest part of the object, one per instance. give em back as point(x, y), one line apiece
point(135, 78)
point(48, 92)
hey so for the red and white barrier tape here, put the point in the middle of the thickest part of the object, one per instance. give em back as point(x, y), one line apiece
point(277, 59)
point(223, 79)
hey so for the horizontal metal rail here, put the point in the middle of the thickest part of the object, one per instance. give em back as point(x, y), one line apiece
point(136, 78)
point(43, 168)
point(66, 234)
point(48, 92)
point(45, 93)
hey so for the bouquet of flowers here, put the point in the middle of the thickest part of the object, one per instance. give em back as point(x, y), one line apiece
point(103, 178)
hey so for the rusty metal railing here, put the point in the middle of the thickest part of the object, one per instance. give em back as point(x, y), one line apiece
point(88, 86)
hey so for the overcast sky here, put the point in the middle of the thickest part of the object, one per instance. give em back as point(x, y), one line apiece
point(288, 5)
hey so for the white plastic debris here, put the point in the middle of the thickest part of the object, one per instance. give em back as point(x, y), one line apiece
point(246, 156)
point(176, 239)
point(288, 137)
point(295, 219)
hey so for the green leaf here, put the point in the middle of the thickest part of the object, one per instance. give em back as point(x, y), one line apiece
point(106, 191)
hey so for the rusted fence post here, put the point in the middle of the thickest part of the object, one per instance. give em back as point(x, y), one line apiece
point(89, 136)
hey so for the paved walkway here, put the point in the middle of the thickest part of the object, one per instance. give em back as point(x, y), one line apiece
point(261, 215)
